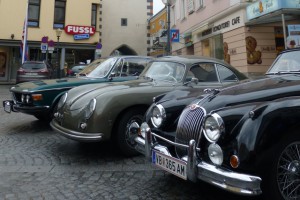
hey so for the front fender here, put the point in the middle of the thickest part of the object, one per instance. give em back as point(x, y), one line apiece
point(265, 127)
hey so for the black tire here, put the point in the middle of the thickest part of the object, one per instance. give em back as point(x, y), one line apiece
point(283, 179)
point(124, 140)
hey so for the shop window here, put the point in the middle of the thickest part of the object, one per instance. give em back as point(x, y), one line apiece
point(124, 22)
point(59, 14)
point(94, 15)
point(34, 13)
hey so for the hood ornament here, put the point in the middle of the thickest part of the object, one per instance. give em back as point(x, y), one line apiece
point(194, 106)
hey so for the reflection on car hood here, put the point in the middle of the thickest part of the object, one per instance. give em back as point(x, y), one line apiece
point(52, 84)
point(80, 96)
point(265, 89)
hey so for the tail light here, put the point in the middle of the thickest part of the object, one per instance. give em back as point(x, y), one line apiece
point(21, 71)
point(43, 71)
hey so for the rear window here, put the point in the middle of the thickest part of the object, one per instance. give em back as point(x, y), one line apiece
point(33, 66)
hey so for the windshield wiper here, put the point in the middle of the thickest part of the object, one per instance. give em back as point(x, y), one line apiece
point(284, 72)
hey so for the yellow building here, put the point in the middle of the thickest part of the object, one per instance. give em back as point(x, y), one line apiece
point(157, 25)
point(78, 20)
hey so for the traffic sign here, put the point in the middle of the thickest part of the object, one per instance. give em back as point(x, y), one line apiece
point(174, 35)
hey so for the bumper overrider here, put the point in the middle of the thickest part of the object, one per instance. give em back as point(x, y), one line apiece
point(9, 106)
point(198, 169)
point(75, 135)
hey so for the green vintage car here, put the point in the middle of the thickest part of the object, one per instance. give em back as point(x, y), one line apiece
point(40, 98)
point(104, 111)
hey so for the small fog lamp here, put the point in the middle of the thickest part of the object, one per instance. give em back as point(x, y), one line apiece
point(37, 97)
point(215, 154)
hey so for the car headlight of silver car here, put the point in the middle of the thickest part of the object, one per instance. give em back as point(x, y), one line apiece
point(213, 127)
point(90, 108)
point(158, 115)
point(62, 101)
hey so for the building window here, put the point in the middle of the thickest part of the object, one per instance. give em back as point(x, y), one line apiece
point(94, 15)
point(124, 22)
point(59, 14)
point(199, 4)
point(182, 11)
point(34, 13)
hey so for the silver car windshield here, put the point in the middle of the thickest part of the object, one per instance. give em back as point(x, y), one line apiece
point(103, 69)
point(166, 71)
point(286, 63)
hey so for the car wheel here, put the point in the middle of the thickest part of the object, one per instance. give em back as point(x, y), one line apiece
point(284, 177)
point(125, 138)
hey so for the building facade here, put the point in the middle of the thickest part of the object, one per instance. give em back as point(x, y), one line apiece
point(157, 34)
point(89, 29)
point(248, 34)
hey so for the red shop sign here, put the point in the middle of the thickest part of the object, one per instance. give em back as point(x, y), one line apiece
point(74, 30)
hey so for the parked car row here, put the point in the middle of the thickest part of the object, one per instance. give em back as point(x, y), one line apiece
point(195, 117)
point(242, 138)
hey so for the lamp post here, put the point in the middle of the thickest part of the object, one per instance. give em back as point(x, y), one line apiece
point(58, 34)
point(168, 5)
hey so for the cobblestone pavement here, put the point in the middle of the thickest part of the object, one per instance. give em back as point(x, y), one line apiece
point(37, 163)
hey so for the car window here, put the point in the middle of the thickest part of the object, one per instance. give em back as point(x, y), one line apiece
point(225, 74)
point(102, 69)
point(286, 62)
point(166, 71)
point(130, 66)
point(33, 66)
point(204, 72)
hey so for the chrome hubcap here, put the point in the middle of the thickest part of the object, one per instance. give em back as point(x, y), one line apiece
point(132, 131)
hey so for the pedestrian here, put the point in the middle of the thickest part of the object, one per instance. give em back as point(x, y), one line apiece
point(2, 64)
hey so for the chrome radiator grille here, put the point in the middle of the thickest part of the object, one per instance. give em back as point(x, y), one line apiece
point(189, 126)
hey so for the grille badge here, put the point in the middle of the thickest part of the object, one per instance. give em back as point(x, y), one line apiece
point(194, 107)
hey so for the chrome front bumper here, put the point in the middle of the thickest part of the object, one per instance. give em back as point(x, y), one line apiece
point(74, 135)
point(234, 182)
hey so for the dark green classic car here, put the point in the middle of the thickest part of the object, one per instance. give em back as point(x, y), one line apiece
point(40, 98)
point(105, 111)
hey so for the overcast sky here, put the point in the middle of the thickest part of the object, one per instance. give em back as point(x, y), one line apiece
point(157, 6)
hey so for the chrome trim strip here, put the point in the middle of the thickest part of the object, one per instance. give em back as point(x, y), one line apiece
point(74, 134)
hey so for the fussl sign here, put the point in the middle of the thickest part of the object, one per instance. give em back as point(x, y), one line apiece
point(75, 30)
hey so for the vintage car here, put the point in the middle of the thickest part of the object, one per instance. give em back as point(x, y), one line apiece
point(104, 111)
point(243, 138)
point(39, 98)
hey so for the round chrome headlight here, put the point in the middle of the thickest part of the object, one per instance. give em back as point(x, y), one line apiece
point(213, 127)
point(62, 100)
point(158, 115)
point(215, 154)
point(90, 108)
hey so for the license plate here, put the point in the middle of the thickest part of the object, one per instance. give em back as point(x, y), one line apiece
point(7, 106)
point(169, 164)
point(31, 74)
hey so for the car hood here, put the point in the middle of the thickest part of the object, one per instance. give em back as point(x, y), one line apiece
point(80, 96)
point(266, 89)
point(34, 86)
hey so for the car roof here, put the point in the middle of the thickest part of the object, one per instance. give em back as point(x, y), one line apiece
point(190, 59)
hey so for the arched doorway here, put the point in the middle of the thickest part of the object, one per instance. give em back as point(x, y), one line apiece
point(123, 50)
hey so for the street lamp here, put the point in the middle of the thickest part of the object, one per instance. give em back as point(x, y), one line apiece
point(168, 5)
point(58, 34)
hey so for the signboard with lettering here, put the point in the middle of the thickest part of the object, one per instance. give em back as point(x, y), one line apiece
point(263, 7)
point(74, 30)
point(81, 36)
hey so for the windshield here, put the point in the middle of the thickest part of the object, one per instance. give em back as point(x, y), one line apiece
point(166, 71)
point(33, 66)
point(103, 69)
point(287, 62)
